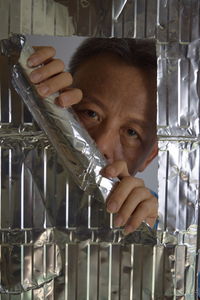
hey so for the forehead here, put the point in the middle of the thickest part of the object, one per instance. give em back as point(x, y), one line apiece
point(114, 80)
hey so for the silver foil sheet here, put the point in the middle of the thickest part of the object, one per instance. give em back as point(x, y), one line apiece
point(166, 20)
point(51, 246)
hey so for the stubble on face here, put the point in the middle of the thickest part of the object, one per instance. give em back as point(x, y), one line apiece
point(128, 94)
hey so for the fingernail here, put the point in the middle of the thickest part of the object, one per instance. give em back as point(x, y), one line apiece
point(35, 77)
point(118, 221)
point(112, 207)
point(43, 90)
point(128, 229)
point(32, 62)
point(63, 100)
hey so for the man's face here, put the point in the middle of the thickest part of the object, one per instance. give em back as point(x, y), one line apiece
point(118, 109)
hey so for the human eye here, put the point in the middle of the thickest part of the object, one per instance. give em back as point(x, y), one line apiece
point(90, 114)
point(132, 133)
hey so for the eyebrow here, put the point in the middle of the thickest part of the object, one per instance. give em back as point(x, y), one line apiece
point(93, 99)
point(144, 124)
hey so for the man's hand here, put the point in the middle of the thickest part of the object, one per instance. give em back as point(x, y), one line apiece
point(130, 200)
point(50, 77)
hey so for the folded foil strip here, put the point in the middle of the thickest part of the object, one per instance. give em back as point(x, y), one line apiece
point(73, 144)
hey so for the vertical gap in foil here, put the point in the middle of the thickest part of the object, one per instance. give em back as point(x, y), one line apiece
point(111, 221)
point(1, 259)
point(54, 19)
point(173, 93)
point(75, 270)
point(141, 252)
point(179, 92)
point(190, 96)
point(162, 189)
point(93, 272)
point(89, 211)
point(44, 275)
point(165, 270)
point(67, 203)
point(162, 114)
point(123, 21)
point(22, 196)
point(23, 263)
point(135, 19)
point(10, 217)
point(66, 271)
point(45, 186)
point(119, 271)
point(185, 156)
point(110, 273)
point(10, 106)
point(98, 271)
point(166, 190)
point(113, 18)
point(145, 19)
point(1, 87)
point(154, 262)
point(9, 16)
point(32, 11)
point(22, 112)
point(88, 273)
point(185, 86)
point(179, 186)
point(1, 187)
point(131, 274)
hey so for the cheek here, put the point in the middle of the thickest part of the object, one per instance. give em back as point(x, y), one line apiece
point(119, 153)
point(134, 159)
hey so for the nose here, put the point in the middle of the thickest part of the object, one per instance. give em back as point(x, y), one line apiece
point(107, 142)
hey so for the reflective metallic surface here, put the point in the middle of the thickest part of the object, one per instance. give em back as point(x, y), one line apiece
point(56, 241)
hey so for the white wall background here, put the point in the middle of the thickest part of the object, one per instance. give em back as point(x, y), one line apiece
point(65, 46)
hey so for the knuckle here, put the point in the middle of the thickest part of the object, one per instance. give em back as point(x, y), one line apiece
point(124, 216)
point(140, 181)
point(128, 179)
point(122, 162)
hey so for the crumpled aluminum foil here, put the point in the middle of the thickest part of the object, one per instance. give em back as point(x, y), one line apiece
point(72, 142)
point(44, 219)
point(109, 269)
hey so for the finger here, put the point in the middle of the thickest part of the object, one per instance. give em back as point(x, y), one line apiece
point(140, 215)
point(129, 206)
point(41, 55)
point(121, 192)
point(44, 72)
point(70, 97)
point(117, 169)
point(54, 84)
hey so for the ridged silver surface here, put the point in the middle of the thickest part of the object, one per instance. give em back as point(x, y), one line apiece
point(50, 244)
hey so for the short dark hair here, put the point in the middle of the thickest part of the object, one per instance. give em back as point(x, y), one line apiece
point(139, 53)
